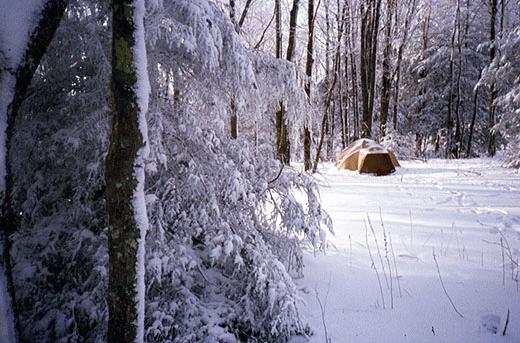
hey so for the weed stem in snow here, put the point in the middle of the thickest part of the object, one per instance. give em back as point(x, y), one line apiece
point(373, 264)
point(443, 287)
point(378, 251)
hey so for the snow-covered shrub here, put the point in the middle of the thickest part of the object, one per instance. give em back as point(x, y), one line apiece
point(404, 146)
point(225, 228)
point(220, 230)
point(57, 156)
point(225, 225)
point(506, 70)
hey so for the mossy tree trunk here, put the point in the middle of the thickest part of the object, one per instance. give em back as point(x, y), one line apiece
point(124, 177)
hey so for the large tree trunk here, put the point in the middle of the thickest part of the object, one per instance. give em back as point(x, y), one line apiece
point(14, 83)
point(492, 92)
point(385, 73)
point(370, 13)
point(124, 173)
point(307, 163)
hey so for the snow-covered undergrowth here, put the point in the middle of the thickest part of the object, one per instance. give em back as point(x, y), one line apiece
point(225, 229)
point(461, 210)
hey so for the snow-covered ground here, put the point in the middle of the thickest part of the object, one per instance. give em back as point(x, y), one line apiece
point(458, 209)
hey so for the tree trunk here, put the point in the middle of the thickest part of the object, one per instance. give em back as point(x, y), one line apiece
point(282, 139)
point(278, 28)
point(492, 92)
point(328, 124)
point(344, 87)
point(365, 130)
point(307, 164)
point(244, 13)
point(14, 84)
point(473, 118)
point(328, 96)
point(385, 73)
point(354, 103)
point(355, 88)
point(449, 118)
point(457, 148)
point(370, 13)
point(233, 120)
point(411, 4)
point(124, 174)
point(291, 44)
point(233, 14)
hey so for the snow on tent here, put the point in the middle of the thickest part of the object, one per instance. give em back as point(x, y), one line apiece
point(366, 156)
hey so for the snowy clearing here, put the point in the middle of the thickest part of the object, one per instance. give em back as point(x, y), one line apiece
point(459, 209)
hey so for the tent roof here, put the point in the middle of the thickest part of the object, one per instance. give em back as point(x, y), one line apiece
point(367, 156)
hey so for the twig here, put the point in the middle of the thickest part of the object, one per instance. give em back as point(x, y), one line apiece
point(373, 264)
point(395, 265)
point(387, 261)
point(277, 176)
point(378, 251)
point(444, 288)
point(505, 244)
point(323, 307)
point(506, 324)
point(503, 262)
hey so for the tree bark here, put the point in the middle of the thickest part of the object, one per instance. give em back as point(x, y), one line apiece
point(473, 118)
point(449, 118)
point(330, 91)
point(457, 148)
point(385, 73)
point(307, 164)
point(233, 120)
point(233, 117)
point(244, 13)
point(282, 138)
point(291, 44)
point(492, 92)
point(370, 13)
point(124, 174)
point(353, 73)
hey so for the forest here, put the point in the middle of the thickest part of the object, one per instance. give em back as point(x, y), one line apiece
point(167, 171)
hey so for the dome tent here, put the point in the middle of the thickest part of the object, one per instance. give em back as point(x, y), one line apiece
point(367, 156)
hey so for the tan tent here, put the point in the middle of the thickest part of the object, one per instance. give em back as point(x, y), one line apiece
point(366, 156)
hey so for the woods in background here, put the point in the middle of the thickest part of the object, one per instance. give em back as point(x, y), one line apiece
point(409, 70)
